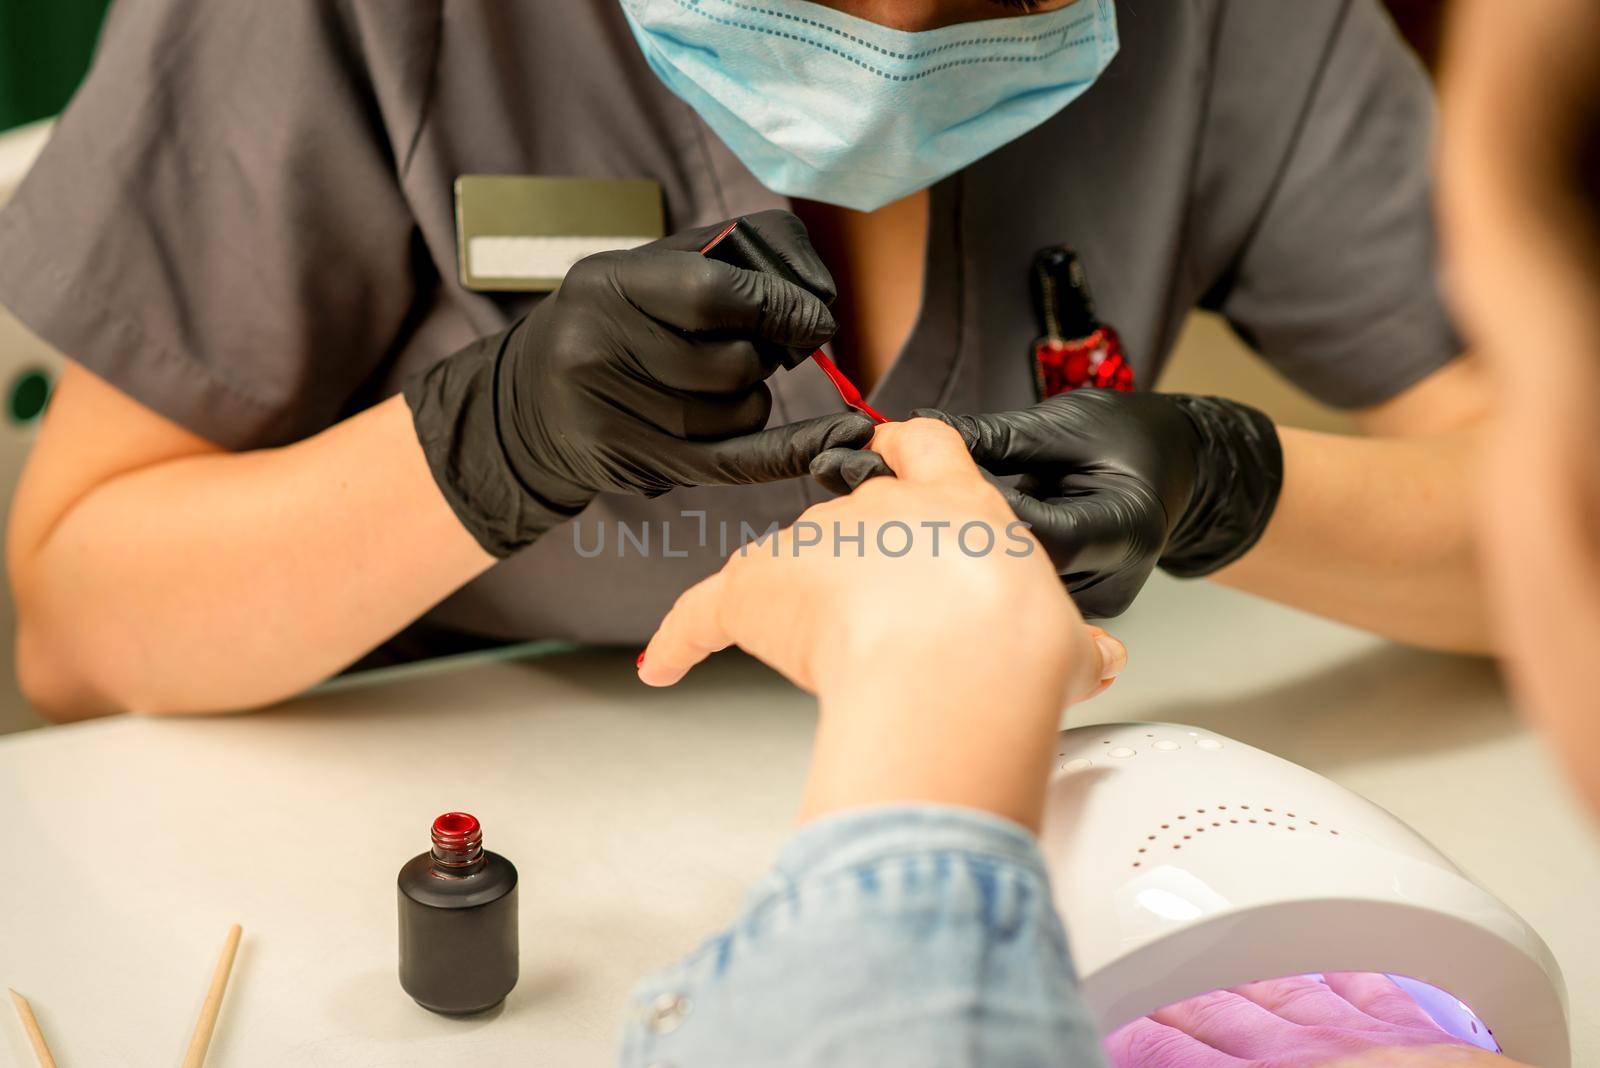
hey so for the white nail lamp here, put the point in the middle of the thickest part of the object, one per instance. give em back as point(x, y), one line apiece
point(1185, 862)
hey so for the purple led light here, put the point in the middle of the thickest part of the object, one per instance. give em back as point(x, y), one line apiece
point(1449, 1012)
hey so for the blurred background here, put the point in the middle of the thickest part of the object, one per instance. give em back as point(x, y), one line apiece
point(45, 48)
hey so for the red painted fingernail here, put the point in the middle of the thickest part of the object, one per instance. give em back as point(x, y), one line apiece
point(639, 661)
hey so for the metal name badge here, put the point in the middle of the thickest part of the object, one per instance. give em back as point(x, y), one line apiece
point(523, 233)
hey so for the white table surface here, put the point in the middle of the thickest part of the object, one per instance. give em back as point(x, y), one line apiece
point(636, 819)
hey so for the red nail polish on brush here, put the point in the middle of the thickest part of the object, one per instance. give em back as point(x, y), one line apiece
point(458, 921)
point(639, 660)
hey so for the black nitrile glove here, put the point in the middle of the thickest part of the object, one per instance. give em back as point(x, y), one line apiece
point(1114, 484)
point(644, 372)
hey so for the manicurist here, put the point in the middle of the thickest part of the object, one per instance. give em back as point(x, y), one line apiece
point(871, 926)
point(323, 404)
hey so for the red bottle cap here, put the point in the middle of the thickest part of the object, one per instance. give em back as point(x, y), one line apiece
point(457, 840)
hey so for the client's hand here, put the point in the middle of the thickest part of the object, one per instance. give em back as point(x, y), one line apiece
point(928, 621)
point(1352, 1020)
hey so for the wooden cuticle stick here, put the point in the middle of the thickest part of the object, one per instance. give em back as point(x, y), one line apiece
point(30, 1026)
point(203, 1027)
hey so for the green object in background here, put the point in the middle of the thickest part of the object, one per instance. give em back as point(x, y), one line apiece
point(45, 47)
point(30, 392)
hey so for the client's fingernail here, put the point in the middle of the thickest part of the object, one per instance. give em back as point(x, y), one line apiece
point(1113, 656)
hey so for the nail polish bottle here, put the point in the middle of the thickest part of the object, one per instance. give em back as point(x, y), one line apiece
point(458, 921)
point(1076, 350)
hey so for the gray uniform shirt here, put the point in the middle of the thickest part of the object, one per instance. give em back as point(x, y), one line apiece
point(245, 222)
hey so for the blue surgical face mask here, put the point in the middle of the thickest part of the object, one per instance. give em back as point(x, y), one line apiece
point(821, 105)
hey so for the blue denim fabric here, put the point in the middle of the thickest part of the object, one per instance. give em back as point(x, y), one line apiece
point(908, 935)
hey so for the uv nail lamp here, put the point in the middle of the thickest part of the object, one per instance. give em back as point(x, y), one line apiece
point(1185, 862)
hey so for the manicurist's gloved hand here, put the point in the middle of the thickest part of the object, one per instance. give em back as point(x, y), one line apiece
point(644, 372)
point(1114, 484)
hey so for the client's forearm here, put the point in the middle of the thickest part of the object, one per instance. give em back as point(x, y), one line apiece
point(972, 730)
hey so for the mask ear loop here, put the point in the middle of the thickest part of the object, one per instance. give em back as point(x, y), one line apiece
point(747, 250)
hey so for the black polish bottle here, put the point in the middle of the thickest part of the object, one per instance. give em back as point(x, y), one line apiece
point(458, 921)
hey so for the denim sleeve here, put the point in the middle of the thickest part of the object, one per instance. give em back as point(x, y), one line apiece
point(908, 935)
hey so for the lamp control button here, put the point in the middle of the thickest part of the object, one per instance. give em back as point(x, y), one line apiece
point(1075, 764)
point(1208, 743)
point(1121, 752)
point(1166, 745)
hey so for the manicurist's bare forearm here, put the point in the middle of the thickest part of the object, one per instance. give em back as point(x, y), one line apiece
point(1377, 533)
point(229, 580)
